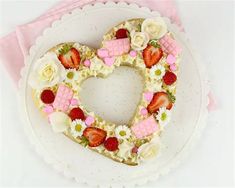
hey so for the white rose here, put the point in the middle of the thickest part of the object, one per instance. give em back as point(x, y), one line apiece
point(155, 27)
point(59, 121)
point(149, 150)
point(46, 72)
point(139, 40)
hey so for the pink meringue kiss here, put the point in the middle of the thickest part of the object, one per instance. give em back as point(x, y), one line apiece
point(87, 63)
point(148, 96)
point(143, 111)
point(133, 53)
point(173, 67)
point(48, 109)
point(89, 120)
point(170, 59)
point(74, 102)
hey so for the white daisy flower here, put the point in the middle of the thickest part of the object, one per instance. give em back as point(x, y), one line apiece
point(122, 132)
point(157, 72)
point(163, 116)
point(71, 75)
point(77, 127)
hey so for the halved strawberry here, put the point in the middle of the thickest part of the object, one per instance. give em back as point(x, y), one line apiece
point(69, 57)
point(152, 55)
point(160, 99)
point(95, 136)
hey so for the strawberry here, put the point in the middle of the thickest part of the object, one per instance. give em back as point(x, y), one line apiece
point(169, 78)
point(152, 55)
point(76, 113)
point(95, 136)
point(69, 57)
point(111, 144)
point(47, 96)
point(160, 99)
point(122, 33)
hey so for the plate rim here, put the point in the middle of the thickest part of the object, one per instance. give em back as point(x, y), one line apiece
point(60, 167)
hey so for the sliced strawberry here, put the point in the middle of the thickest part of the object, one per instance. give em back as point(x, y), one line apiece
point(47, 96)
point(69, 57)
point(122, 33)
point(111, 144)
point(75, 56)
point(76, 113)
point(160, 99)
point(152, 55)
point(66, 61)
point(95, 136)
point(169, 78)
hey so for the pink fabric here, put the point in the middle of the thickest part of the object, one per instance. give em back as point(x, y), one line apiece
point(15, 46)
point(212, 103)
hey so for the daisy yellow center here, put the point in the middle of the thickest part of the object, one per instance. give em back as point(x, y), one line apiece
point(163, 116)
point(122, 133)
point(70, 75)
point(158, 72)
point(78, 128)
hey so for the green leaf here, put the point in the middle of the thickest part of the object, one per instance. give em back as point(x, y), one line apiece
point(139, 28)
point(84, 141)
point(154, 43)
point(171, 96)
point(65, 49)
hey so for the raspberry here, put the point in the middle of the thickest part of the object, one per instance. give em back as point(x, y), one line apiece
point(134, 149)
point(111, 144)
point(121, 33)
point(76, 113)
point(169, 78)
point(47, 96)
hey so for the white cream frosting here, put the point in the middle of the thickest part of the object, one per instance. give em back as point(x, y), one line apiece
point(125, 149)
point(59, 121)
point(149, 150)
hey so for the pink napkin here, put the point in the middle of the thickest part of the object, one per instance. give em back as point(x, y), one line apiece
point(15, 46)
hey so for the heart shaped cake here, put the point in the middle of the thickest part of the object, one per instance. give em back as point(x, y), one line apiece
point(143, 44)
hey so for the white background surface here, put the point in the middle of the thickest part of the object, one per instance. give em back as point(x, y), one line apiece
point(209, 27)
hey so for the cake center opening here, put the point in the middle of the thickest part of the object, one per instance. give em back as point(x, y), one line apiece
point(114, 98)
